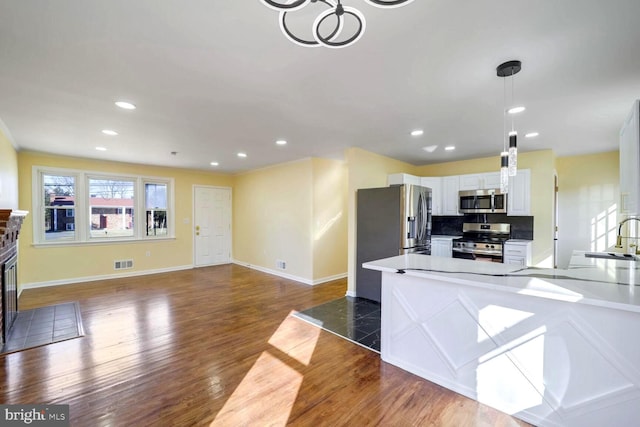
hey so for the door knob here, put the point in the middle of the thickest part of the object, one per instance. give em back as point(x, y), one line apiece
point(197, 228)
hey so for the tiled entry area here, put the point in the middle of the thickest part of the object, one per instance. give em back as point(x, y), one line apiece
point(356, 319)
point(44, 325)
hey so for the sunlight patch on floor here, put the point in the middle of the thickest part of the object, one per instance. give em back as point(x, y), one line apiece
point(270, 388)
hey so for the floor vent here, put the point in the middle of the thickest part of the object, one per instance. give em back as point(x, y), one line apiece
point(123, 265)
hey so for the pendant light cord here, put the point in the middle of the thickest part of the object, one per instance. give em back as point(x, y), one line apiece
point(512, 100)
point(504, 115)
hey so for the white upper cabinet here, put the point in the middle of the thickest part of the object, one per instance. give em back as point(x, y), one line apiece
point(480, 181)
point(435, 184)
point(450, 188)
point(629, 163)
point(519, 197)
point(403, 178)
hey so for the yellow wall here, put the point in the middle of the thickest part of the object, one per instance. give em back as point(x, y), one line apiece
point(542, 164)
point(294, 212)
point(272, 210)
point(366, 170)
point(589, 190)
point(40, 265)
point(329, 218)
point(8, 174)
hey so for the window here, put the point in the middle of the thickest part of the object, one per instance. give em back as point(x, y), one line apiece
point(58, 193)
point(81, 207)
point(111, 209)
point(155, 201)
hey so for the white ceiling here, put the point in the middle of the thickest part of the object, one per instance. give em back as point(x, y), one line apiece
point(211, 78)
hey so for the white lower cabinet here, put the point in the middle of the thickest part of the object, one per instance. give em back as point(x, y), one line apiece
point(517, 252)
point(441, 246)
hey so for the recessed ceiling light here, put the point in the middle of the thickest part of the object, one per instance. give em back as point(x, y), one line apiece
point(109, 132)
point(281, 142)
point(242, 155)
point(214, 163)
point(126, 105)
point(417, 132)
point(430, 148)
point(531, 135)
point(516, 110)
point(101, 149)
point(449, 148)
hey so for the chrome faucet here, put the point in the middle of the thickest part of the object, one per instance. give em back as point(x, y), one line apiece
point(619, 237)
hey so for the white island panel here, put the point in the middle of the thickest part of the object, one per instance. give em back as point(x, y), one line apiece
point(551, 350)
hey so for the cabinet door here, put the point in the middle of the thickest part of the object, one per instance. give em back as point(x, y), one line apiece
point(402, 178)
point(491, 180)
point(519, 197)
point(629, 160)
point(435, 184)
point(441, 247)
point(517, 253)
point(470, 182)
point(450, 188)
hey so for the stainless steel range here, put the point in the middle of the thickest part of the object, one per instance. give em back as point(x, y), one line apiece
point(481, 242)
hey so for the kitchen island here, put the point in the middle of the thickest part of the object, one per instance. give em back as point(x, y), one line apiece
point(552, 347)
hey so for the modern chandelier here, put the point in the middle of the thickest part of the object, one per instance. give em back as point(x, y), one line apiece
point(509, 157)
point(328, 28)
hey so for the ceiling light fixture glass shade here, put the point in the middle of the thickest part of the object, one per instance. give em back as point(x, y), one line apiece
point(504, 172)
point(125, 105)
point(513, 153)
point(516, 110)
point(329, 26)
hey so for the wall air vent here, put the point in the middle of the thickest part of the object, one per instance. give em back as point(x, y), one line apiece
point(123, 265)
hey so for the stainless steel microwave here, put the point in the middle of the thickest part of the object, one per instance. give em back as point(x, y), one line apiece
point(482, 201)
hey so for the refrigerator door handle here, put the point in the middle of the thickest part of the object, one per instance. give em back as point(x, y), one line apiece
point(411, 227)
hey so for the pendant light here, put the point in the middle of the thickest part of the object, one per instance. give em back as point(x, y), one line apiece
point(511, 68)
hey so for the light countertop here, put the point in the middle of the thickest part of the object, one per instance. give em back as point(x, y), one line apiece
point(593, 281)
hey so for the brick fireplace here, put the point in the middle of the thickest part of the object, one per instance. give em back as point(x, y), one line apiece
point(10, 223)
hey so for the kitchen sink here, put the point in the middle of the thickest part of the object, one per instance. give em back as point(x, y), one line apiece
point(612, 255)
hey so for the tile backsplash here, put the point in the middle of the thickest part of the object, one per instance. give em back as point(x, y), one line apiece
point(521, 226)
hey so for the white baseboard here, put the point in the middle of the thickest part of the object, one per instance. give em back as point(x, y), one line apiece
point(351, 294)
point(101, 277)
point(279, 273)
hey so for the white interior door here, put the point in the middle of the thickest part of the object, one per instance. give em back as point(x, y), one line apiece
point(212, 225)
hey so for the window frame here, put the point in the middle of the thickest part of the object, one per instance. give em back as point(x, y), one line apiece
point(82, 207)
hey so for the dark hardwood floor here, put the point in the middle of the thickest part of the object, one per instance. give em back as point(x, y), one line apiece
point(217, 346)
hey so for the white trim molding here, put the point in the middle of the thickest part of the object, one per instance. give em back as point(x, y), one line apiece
point(70, 281)
point(311, 282)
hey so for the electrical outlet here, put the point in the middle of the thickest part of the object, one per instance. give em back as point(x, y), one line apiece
point(281, 264)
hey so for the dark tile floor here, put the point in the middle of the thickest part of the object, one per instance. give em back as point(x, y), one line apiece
point(44, 325)
point(356, 319)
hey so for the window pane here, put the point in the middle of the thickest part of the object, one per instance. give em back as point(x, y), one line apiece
point(155, 196)
point(156, 222)
point(156, 207)
point(111, 206)
point(59, 200)
point(58, 225)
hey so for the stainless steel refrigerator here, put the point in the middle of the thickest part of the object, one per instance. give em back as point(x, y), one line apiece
point(390, 221)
